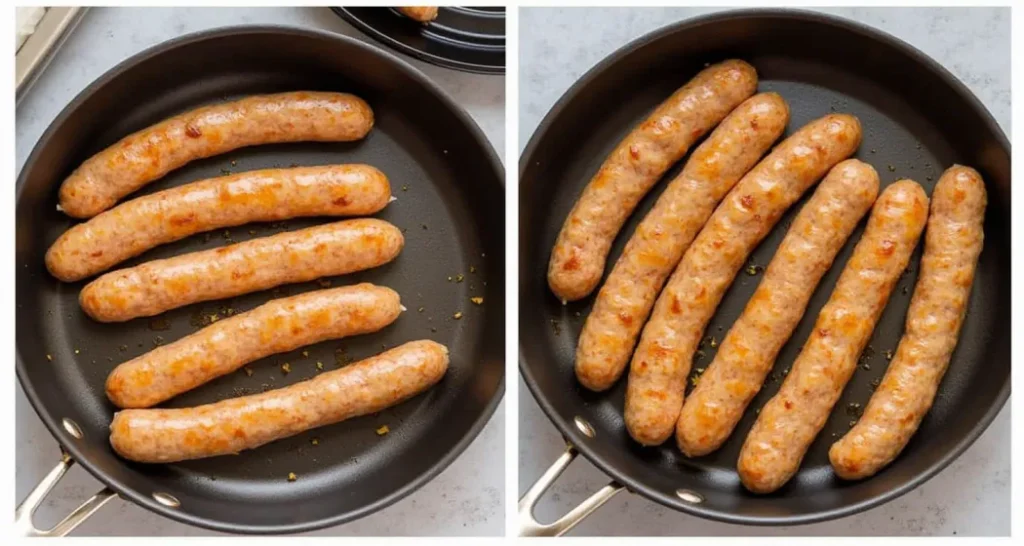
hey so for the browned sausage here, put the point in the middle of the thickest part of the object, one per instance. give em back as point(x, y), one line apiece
point(230, 426)
point(628, 294)
point(138, 225)
point(258, 264)
point(149, 154)
point(791, 420)
point(277, 326)
point(748, 352)
point(636, 164)
point(657, 374)
point(424, 14)
point(952, 245)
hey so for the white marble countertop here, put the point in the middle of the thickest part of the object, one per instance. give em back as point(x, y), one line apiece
point(972, 496)
point(466, 499)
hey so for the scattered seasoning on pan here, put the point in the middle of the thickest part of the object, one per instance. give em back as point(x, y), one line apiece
point(315, 441)
point(383, 430)
point(714, 342)
point(324, 283)
point(433, 330)
point(341, 358)
point(577, 313)
point(305, 354)
point(757, 411)
point(214, 317)
point(449, 278)
point(292, 477)
point(421, 309)
point(472, 269)
point(872, 150)
point(459, 278)
point(77, 351)
point(159, 324)
point(286, 368)
point(875, 383)
point(319, 366)
point(158, 341)
point(928, 178)
point(292, 165)
point(866, 366)
point(405, 187)
point(424, 226)
point(891, 168)
point(94, 361)
point(457, 315)
point(888, 354)
point(854, 409)
point(111, 359)
point(49, 357)
point(477, 300)
point(233, 163)
point(207, 236)
point(854, 422)
point(225, 171)
point(719, 328)
point(754, 269)
point(785, 372)
point(248, 371)
point(556, 327)
point(700, 354)
point(227, 236)
point(252, 232)
point(695, 378)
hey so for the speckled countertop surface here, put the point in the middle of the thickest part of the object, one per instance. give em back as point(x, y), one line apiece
point(466, 499)
point(972, 496)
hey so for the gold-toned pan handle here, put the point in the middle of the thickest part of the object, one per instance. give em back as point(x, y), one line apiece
point(528, 524)
point(23, 513)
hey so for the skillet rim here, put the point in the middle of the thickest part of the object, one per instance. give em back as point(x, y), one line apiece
point(574, 436)
point(69, 444)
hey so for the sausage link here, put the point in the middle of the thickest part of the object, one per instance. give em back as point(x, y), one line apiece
point(748, 352)
point(138, 225)
point(654, 250)
point(423, 14)
point(657, 374)
point(286, 258)
point(144, 156)
point(247, 422)
point(277, 326)
point(636, 164)
point(791, 420)
point(953, 242)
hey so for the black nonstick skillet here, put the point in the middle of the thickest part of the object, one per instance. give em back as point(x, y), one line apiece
point(450, 190)
point(917, 118)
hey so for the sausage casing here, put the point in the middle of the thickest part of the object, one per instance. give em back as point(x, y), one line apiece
point(636, 164)
point(791, 420)
point(136, 226)
point(654, 250)
point(953, 243)
point(149, 154)
point(230, 426)
point(748, 352)
point(657, 374)
point(258, 264)
point(277, 326)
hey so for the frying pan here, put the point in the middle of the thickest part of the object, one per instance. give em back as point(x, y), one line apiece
point(450, 190)
point(461, 38)
point(917, 118)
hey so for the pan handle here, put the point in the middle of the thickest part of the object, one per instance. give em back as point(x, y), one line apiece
point(23, 513)
point(530, 527)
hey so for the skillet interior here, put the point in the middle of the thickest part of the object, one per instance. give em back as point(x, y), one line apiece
point(918, 120)
point(449, 186)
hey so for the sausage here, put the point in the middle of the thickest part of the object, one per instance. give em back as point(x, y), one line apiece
point(625, 300)
point(953, 242)
point(275, 327)
point(247, 422)
point(791, 420)
point(138, 225)
point(657, 374)
point(636, 164)
point(748, 352)
point(422, 14)
point(149, 154)
point(258, 264)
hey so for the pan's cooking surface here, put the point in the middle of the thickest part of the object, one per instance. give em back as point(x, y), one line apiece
point(453, 232)
point(906, 135)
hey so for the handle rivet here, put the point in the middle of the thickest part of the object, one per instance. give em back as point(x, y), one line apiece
point(72, 428)
point(690, 496)
point(167, 499)
point(584, 427)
